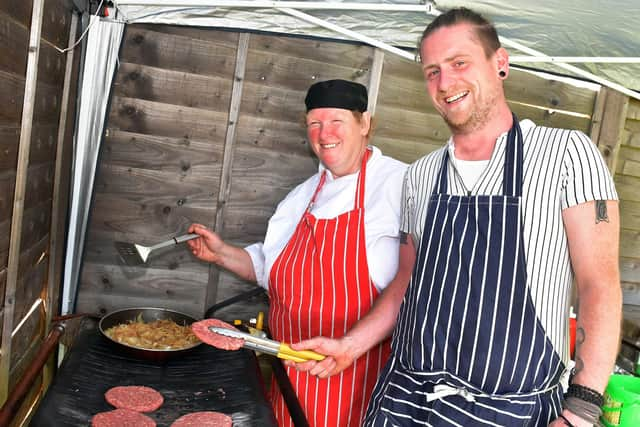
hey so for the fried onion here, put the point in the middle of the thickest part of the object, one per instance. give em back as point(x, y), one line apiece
point(156, 335)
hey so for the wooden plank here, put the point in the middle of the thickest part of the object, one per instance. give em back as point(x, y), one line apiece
point(173, 87)
point(525, 88)
point(409, 125)
point(100, 250)
point(28, 111)
point(627, 188)
point(630, 216)
point(154, 217)
point(405, 94)
point(230, 286)
point(629, 243)
point(277, 70)
point(631, 139)
point(227, 162)
point(41, 151)
point(55, 22)
point(521, 87)
point(405, 150)
point(105, 288)
point(180, 52)
point(542, 117)
point(180, 156)
point(38, 188)
point(375, 80)
point(633, 111)
point(33, 281)
point(24, 341)
point(58, 226)
point(598, 114)
point(46, 107)
point(631, 168)
point(343, 54)
point(153, 118)
point(613, 119)
point(282, 136)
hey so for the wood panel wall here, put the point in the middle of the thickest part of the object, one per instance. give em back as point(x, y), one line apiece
point(25, 302)
point(627, 183)
point(208, 126)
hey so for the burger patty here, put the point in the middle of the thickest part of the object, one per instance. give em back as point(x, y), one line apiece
point(135, 398)
point(122, 418)
point(201, 330)
point(203, 419)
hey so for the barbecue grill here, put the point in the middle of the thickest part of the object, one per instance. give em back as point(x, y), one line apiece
point(204, 379)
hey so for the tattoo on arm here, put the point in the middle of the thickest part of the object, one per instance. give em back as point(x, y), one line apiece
point(601, 211)
point(580, 337)
point(403, 238)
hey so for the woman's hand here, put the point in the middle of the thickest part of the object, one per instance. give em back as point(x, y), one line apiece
point(340, 355)
point(208, 246)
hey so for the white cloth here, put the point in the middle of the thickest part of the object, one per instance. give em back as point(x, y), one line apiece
point(562, 168)
point(469, 170)
point(382, 216)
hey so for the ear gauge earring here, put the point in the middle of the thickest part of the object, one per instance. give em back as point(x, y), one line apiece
point(502, 74)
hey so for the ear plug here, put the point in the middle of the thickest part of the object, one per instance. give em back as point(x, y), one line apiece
point(502, 74)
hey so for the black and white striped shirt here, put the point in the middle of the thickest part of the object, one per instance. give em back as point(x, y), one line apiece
point(562, 168)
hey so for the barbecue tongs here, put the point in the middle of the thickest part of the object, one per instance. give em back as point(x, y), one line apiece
point(265, 345)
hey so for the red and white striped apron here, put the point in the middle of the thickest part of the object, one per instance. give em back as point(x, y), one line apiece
point(320, 285)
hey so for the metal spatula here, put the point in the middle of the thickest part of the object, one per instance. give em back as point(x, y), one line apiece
point(133, 254)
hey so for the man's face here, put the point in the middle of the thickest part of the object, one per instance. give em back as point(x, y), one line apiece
point(337, 138)
point(463, 83)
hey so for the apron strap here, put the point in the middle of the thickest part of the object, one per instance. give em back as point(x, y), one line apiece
point(359, 198)
point(513, 161)
point(512, 164)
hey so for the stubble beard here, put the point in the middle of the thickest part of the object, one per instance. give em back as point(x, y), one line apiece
point(479, 117)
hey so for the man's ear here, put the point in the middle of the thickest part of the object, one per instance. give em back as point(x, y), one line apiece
point(502, 62)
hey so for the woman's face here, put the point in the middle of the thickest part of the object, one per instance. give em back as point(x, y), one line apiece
point(338, 138)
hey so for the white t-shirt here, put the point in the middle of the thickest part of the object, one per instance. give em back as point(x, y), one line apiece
point(562, 168)
point(382, 202)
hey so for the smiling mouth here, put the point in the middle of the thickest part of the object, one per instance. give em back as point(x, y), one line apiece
point(456, 97)
point(329, 145)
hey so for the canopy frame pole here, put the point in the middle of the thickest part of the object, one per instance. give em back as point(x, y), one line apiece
point(351, 34)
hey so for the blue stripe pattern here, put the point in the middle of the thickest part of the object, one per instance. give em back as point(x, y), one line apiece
point(468, 320)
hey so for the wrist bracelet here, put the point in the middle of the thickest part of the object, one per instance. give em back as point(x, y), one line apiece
point(585, 393)
point(566, 421)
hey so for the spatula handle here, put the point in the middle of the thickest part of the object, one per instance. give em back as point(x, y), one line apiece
point(175, 241)
point(185, 237)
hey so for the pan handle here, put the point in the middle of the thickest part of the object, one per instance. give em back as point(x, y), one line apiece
point(245, 295)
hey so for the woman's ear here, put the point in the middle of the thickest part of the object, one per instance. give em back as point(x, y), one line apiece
point(365, 123)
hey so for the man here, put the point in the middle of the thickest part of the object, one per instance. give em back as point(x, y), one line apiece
point(499, 223)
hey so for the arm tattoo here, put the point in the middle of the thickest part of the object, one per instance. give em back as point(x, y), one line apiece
point(580, 337)
point(403, 238)
point(601, 211)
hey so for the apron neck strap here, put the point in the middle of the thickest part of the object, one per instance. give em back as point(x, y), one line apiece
point(359, 199)
point(512, 164)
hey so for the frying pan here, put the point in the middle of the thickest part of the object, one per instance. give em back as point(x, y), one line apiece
point(147, 314)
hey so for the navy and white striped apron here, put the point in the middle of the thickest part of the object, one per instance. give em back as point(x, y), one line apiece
point(468, 349)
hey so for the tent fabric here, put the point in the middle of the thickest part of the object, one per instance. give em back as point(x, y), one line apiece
point(103, 43)
point(576, 28)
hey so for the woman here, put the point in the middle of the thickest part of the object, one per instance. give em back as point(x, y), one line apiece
point(330, 248)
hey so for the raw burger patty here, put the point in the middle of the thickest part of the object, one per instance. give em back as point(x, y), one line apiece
point(201, 330)
point(121, 418)
point(136, 398)
point(203, 419)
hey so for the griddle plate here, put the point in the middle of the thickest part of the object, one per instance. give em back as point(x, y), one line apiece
point(204, 379)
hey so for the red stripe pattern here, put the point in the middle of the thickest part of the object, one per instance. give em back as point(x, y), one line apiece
point(320, 285)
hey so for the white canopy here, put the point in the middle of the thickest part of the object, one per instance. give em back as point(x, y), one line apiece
point(599, 38)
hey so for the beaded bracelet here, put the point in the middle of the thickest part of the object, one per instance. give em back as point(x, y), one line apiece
point(585, 393)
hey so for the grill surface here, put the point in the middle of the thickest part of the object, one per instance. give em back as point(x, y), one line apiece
point(203, 379)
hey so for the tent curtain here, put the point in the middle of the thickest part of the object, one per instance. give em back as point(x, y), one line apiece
point(101, 59)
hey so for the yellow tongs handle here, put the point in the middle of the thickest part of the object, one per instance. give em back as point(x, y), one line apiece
point(305, 355)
